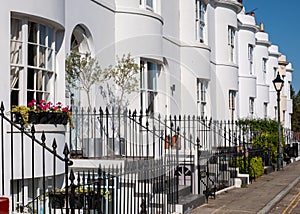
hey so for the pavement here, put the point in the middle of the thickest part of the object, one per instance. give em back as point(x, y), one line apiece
point(260, 196)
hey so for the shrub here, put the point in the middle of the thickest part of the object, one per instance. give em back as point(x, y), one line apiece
point(256, 168)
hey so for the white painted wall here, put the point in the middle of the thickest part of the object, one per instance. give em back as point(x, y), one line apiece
point(260, 53)
point(287, 90)
point(247, 80)
point(272, 67)
point(224, 72)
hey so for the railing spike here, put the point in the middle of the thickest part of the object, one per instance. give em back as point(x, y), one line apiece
point(78, 178)
point(66, 150)
point(2, 107)
point(99, 170)
point(72, 176)
point(54, 144)
point(43, 137)
point(32, 129)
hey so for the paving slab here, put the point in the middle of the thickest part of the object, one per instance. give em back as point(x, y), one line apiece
point(258, 197)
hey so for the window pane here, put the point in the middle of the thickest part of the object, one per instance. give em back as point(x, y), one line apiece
point(50, 37)
point(39, 96)
point(14, 97)
point(16, 42)
point(32, 54)
point(202, 11)
point(14, 77)
point(47, 80)
point(16, 53)
point(50, 59)
point(32, 32)
point(142, 75)
point(149, 3)
point(30, 96)
point(42, 57)
point(16, 30)
point(150, 106)
point(42, 35)
point(152, 69)
point(46, 96)
point(39, 80)
point(30, 78)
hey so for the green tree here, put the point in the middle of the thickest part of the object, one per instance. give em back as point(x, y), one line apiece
point(82, 72)
point(124, 77)
point(296, 110)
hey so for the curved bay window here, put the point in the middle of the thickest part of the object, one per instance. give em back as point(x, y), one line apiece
point(32, 59)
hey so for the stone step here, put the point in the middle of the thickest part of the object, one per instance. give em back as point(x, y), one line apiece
point(189, 202)
point(183, 190)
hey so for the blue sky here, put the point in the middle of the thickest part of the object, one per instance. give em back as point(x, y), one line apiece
point(281, 21)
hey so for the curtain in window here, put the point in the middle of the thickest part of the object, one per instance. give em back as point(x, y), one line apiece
point(15, 51)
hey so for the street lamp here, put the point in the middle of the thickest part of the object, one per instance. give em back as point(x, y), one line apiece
point(278, 84)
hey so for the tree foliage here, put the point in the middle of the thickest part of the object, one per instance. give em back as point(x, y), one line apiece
point(82, 72)
point(264, 135)
point(296, 110)
point(124, 76)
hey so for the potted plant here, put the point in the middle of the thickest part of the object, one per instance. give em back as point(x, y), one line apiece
point(42, 112)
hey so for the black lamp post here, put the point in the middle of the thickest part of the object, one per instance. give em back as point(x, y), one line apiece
point(278, 84)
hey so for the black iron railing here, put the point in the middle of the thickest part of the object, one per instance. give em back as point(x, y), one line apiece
point(144, 160)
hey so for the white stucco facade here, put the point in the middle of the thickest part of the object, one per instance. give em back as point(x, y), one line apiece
point(206, 58)
point(247, 78)
point(215, 60)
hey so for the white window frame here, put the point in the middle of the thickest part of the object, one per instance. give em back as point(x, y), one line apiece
point(264, 69)
point(232, 100)
point(40, 69)
point(251, 105)
point(250, 57)
point(202, 85)
point(231, 43)
point(148, 84)
point(148, 4)
point(200, 10)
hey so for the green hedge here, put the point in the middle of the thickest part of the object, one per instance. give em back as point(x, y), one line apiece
point(256, 166)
